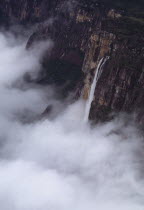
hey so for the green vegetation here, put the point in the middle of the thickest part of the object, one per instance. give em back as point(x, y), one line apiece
point(136, 20)
point(126, 4)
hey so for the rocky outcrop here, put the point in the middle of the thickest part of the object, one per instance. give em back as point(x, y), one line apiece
point(83, 33)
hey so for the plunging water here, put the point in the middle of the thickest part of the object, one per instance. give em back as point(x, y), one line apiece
point(93, 86)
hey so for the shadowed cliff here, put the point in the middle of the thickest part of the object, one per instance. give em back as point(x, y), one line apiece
point(84, 32)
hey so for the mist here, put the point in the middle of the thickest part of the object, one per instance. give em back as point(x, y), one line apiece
point(60, 162)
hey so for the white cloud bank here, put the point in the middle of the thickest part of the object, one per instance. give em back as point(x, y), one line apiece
point(61, 164)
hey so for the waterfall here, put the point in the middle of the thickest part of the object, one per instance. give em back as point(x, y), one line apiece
point(98, 73)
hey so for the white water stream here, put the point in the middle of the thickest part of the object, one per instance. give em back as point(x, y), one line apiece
point(98, 73)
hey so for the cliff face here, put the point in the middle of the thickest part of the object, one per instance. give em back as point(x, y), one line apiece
point(27, 11)
point(121, 86)
point(83, 34)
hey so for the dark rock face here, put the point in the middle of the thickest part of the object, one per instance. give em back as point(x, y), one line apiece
point(27, 11)
point(83, 32)
point(121, 86)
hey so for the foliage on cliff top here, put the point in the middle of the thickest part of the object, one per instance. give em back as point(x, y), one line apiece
point(126, 4)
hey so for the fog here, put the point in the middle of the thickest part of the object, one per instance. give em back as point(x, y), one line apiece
point(60, 163)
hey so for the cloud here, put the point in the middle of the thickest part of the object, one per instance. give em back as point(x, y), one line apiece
point(60, 163)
